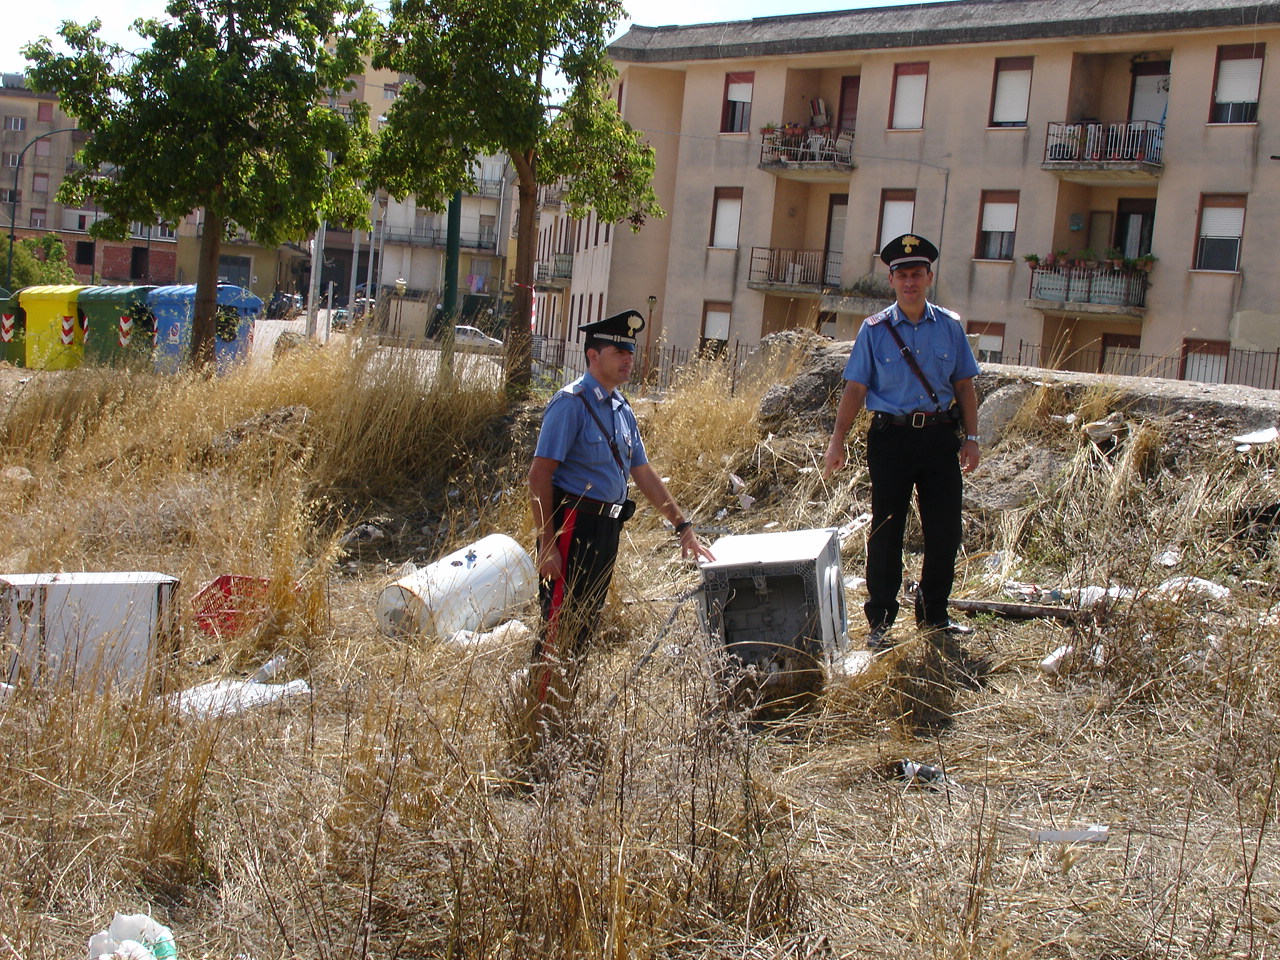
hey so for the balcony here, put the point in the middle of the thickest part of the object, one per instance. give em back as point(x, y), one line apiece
point(1101, 290)
point(554, 273)
point(814, 154)
point(798, 272)
point(1102, 154)
point(484, 239)
point(486, 188)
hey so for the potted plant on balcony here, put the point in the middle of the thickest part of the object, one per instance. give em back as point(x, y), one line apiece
point(1087, 258)
point(1116, 256)
point(1145, 262)
point(1033, 260)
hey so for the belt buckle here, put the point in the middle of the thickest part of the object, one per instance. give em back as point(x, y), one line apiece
point(917, 419)
point(615, 511)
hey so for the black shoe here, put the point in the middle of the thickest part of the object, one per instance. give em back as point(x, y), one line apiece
point(878, 638)
point(949, 627)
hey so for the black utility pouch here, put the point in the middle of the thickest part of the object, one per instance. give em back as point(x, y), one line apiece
point(628, 510)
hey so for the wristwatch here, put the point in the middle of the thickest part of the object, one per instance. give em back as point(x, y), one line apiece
point(974, 437)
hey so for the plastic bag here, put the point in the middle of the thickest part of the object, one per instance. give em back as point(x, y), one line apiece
point(133, 937)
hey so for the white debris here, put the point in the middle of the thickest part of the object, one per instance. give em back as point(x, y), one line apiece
point(1052, 664)
point(852, 663)
point(509, 633)
point(1266, 435)
point(852, 527)
point(269, 670)
point(1094, 833)
point(1169, 558)
point(855, 583)
point(1090, 597)
point(1106, 428)
point(746, 500)
point(222, 698)
point(1178, 587)
point(736, 483)
point(133, 937)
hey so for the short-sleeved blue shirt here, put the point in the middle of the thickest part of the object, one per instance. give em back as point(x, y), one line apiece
point(939, 345)
point(572, 437)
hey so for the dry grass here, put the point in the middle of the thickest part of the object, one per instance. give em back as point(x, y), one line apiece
point(381, 817)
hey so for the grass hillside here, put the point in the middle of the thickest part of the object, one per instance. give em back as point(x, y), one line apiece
point(381, 815)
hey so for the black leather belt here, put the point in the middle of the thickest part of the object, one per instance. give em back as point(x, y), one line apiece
point(918, 419)
point(600, 508)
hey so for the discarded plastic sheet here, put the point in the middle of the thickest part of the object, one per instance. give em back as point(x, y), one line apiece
point(133, 937)
point(853, 663)
point(1265, 435)
point(1051, 664)
point(1089, 597)
point(511, 632)
point(222, 698)
point(852, 527)
point(1095, 833)
point(1169, 558)
point(1178, 587)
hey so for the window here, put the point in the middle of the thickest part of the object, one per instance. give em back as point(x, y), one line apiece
point(1236, 82)
point(40, 183)
point(848, 117)
point(44, 112)
point(235, 270)
point(1221, 227)
point(390, 91)
point(44, 148)
point(10, 159)
point(999, 219)
point(736, 116)
point(907, 109)
point(897, 214)
point(725, 216)
point(38, 218)
point(715, 321)
point(1011, 92)
point(990, 340)
point(82, 221)
point(84, 252)
point(1205, 360)
point(165, 231)
point(15, 123)
point(1120, 355)
point(7, 195)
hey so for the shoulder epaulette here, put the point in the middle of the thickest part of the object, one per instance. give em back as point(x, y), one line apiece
point(880, 317)
point(947, 313)
point(573, 388)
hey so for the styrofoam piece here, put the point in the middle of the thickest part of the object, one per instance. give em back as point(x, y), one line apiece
point(94, 629)
point(222, 698)
point(509, 633)
point(1178, 587)
point(1095, 833)
point(473, 589)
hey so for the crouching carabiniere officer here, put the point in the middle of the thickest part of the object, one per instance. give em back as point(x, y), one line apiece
point(911, 366)
point(588, 448)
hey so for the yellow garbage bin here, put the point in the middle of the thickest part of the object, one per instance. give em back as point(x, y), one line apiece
point(55, 336)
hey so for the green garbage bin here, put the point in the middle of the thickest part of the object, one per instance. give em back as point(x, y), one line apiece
point(119, 327)
point(13, 331)
point(55, 338)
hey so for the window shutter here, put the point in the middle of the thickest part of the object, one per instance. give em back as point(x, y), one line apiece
point(1222, 222)
point(908, 101)
point(728, 213)
point(1013, 92)
point(897, 218)
point(999, 217)
point(1238, 81)
point(740, 92)
point(716, 326)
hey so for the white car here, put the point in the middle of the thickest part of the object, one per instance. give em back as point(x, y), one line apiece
point(474, 337)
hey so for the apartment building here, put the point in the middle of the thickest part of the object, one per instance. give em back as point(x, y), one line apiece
point(38, 143)
point(1134, 149)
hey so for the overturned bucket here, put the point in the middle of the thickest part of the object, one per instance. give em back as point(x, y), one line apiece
point(473, 588)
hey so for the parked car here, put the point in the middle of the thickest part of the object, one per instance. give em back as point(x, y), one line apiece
point(474, 337)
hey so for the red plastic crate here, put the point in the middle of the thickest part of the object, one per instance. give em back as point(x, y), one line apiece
point(231, 604)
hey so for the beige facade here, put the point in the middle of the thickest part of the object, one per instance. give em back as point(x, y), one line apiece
point(996, 129)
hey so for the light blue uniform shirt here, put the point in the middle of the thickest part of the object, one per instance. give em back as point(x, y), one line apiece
point(939, 345)
point(571, 436)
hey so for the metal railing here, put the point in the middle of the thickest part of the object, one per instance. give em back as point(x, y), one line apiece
point(1099, 285)
point(486, 239)
point(656, 368)
point(794, 268)
point(806, 146)
point(1250, 368)
point(1141, 141)
point(559, 267)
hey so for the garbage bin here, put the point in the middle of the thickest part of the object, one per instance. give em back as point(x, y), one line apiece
point(13, 331)
point(55, 337)
point(120, 329)
point(174, 309)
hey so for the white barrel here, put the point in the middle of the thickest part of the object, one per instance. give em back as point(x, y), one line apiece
point(473, 588)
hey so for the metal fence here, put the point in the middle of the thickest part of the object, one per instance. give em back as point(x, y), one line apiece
point(1250, 368)
point(656, 367)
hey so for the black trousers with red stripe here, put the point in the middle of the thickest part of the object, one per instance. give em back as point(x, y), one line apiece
point(571, 604)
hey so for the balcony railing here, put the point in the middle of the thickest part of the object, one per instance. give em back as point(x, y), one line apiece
point(1140, 141)
point(559, 267)
point(485, 239)
point(807, 146)
point(812, 269)
point(487, 188)
point(1102, 285)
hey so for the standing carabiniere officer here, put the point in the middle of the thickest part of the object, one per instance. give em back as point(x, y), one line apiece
point(588, 449)
point(912, 367)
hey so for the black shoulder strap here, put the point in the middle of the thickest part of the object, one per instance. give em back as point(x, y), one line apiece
point(908, 356)
point(613, 443)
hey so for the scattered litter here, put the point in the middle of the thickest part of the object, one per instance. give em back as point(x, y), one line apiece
point(5, 689)
point(1178, 587)
point(365, 533)
point(1089, 597)
point(133, 937)
point(746, 500)
point(1033, 592)
point(509, 633)
point(1068, 419)
point(222, 698)
point(1169, 558)
point(231, 604)
point(852, 527)
point(1266, 435)
point(770, 525)
point(1107, 428)
point(736, 483)
point(934, 778)
point(853, 663)
point(1052, 664)
point(722, 513)
point(269, 670)
point(1094, 833)
point(855, 583)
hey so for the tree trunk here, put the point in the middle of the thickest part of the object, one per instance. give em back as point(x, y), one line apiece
point(204, 323)
point(519, 362)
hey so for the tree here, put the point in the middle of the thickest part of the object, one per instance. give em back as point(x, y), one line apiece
point(482, 71)
point(231, 109)
point(37, 261)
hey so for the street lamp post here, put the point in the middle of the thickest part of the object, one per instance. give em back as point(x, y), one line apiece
point(13, 197)
point(401, 285)
point(648, 333)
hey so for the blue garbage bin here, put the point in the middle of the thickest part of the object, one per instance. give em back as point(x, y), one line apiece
point(174, 309)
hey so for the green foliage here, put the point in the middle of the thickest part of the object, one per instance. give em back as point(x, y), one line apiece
point(37, 261)
point(228, 109)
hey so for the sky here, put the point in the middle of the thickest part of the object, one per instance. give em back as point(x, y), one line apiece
point(25, 21)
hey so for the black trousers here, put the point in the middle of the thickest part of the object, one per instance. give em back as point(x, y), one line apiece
point(903, 460)
point(571, 604)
